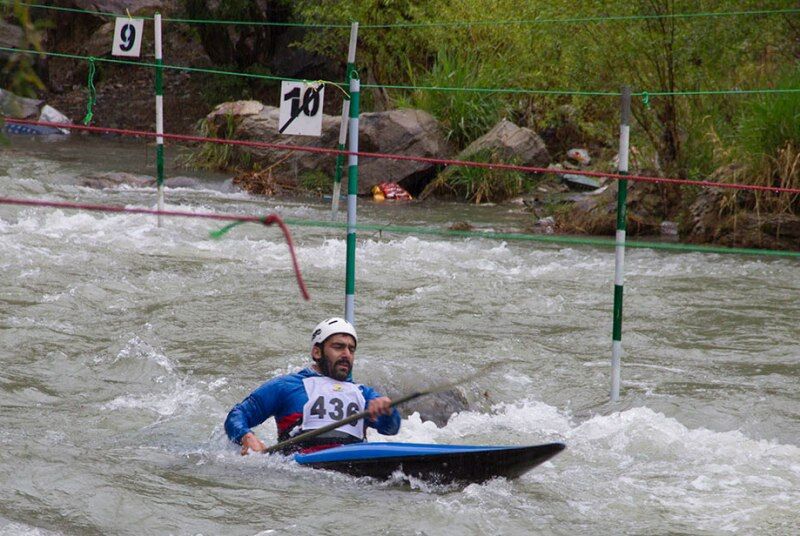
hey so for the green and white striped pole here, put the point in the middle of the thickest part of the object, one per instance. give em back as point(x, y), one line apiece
point(619, 265)
point(159, 115)
point(337, 178)
point(352, 191)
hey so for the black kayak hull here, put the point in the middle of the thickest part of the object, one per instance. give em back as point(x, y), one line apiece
point(436, 463)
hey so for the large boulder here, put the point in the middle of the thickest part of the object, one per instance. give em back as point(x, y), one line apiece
point(510, 143)
point(403, 132)
point(12, 105)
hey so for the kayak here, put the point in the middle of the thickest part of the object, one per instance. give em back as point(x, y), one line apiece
point(437, 463)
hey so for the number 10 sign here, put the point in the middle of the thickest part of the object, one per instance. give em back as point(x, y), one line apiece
point(301, 109)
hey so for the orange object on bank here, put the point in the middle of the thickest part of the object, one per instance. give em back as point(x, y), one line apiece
point(390, 190)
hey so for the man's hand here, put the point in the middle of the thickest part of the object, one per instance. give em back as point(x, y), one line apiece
point(251, 442)
point(379, 406)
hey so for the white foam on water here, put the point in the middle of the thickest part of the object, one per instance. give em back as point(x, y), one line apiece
point(21, 529)
point(182, 396)
point(136, 348)
point(637, 458)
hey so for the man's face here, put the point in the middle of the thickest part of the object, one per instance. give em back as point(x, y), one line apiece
point(339, 351)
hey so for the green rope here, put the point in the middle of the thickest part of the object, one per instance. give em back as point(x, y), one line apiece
point(497, 90)
point(646, 99)
point(550, 239)
point(554, 92)
point(92, 93)
point(433, 24)
point(219, 233)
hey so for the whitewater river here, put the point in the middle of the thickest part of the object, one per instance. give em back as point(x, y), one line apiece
point(124, 345)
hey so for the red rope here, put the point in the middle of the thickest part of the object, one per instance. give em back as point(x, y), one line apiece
point(439, 161)
point(269, 220)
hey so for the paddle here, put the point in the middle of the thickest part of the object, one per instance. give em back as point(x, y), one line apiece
point(402, 400)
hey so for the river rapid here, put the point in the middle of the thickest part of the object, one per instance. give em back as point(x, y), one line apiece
point(123, 346)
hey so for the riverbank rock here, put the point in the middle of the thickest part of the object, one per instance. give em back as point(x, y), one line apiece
point(403, 132)
point(648, 205)
point(714, 218)
point(10, 36)
point(12, 105)
point(510, 143)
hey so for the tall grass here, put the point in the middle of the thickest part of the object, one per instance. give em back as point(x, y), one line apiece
point(768, 143)
point(465, 115)
point(480, 185)
point(217, 156)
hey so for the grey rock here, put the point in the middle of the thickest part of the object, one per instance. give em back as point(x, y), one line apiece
point(19, 107)
point(511, 143)
point(404, 132)
point(436, 407)
point(10, 35)
point(182, 182)
point(669, 228)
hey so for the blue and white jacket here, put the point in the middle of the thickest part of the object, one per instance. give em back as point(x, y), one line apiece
point(284, 398)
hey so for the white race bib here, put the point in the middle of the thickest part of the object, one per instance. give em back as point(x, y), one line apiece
point(330, 401)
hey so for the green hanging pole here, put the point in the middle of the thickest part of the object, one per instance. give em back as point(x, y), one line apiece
point(352, 191)
point(337, 178)
point(619, 265)
point(159, 115)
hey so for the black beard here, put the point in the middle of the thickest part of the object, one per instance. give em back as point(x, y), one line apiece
point(335, 374)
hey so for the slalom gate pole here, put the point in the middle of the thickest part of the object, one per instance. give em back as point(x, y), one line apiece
point(352, 192)
point(159, 115)
point(619, 265)
point(337, 178)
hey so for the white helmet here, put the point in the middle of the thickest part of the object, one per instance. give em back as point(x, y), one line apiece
point(332, 326)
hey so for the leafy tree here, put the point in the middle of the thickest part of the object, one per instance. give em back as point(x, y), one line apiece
point(240, 45)
point(383, 54)
point(19, 72)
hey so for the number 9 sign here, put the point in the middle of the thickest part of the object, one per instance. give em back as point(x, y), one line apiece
point(127, 37)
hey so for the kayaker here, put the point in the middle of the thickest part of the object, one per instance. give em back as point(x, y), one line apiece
point(314, 397)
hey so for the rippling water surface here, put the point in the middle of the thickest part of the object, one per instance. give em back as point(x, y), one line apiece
point(123, 345)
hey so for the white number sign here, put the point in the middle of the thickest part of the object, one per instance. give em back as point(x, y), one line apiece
point(301, 109)
point(127, 37)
